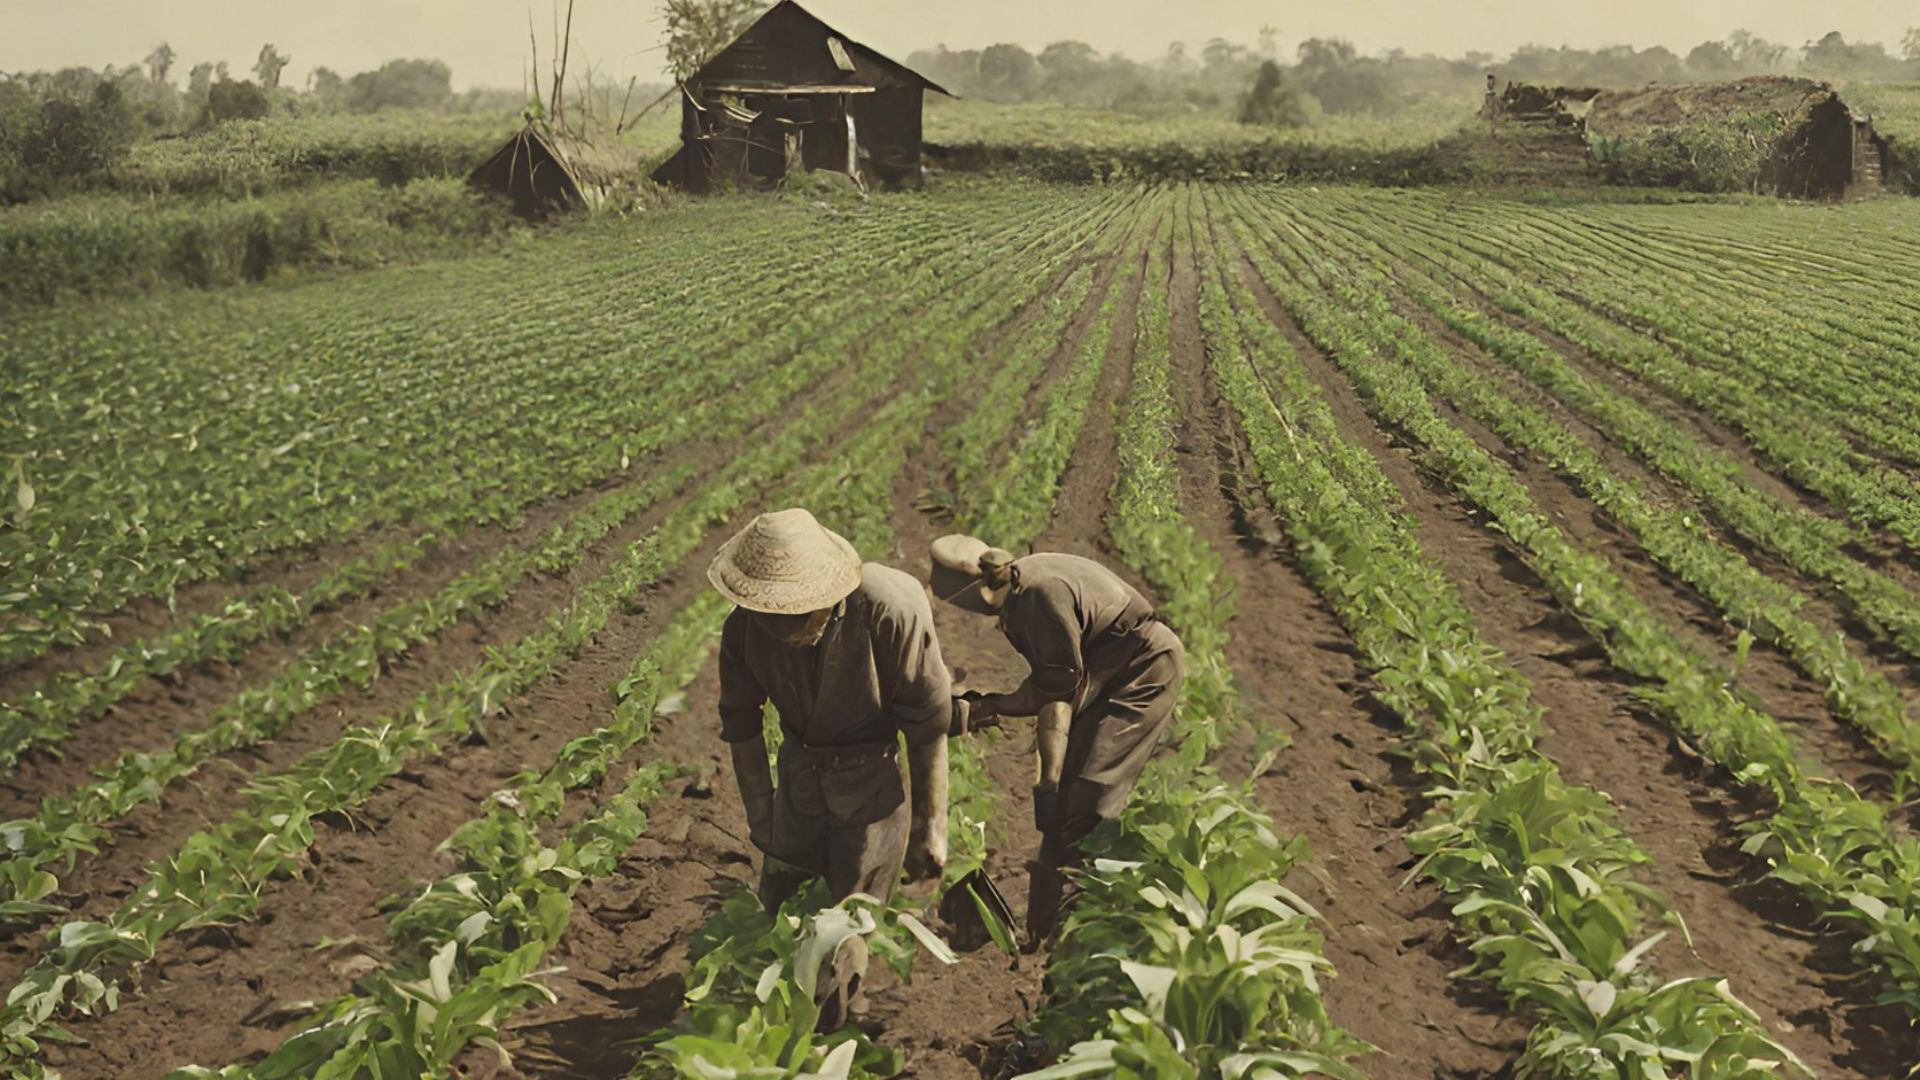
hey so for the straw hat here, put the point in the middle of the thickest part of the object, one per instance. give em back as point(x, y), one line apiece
point(958, 576)
point(786, 563)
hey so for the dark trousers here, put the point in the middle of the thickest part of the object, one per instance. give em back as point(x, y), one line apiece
point(1059, 851)
point(845, 821)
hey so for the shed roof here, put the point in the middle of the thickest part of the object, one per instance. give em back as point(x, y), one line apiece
point(790, 46)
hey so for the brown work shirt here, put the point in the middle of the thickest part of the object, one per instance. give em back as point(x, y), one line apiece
point(1073, 621)
point(877, 670)
point(1093, 641)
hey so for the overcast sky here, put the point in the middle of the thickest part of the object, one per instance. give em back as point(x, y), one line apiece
point(486, 40)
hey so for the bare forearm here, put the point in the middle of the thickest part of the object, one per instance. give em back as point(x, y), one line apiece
point(927, 838)
point(927, 769)
point(1050, 740)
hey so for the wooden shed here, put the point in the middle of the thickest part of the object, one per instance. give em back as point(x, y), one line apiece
point(792, 93)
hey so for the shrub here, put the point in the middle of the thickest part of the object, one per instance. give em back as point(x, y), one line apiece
point(98, 244)
point(230, 100)
point(1273, 101)
point(1716, 158)
point(60, 141)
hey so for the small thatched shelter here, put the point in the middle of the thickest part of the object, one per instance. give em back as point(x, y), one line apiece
point(544, 170)
point(793, 93)
point(1806, 141)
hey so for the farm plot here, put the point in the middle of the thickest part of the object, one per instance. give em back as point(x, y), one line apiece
point(1548, 577)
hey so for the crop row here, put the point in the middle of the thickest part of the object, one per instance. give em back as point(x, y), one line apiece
point(188, 481)
point(1856, 692)
point(217, 876)
point(1822, 837)
point(1814, 456)
point(1184, 955)
point(45, 715)
point(1539, 872)
point(1863, 339)
point(69, 824)
point(1728, 330)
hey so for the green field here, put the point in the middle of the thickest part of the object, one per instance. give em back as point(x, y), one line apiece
point(1548, 569)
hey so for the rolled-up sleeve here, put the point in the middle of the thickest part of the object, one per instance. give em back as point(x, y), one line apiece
point(904, 641)
point(741, 695)
point(1047, 633)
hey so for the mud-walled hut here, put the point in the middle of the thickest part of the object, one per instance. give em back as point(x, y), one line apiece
point(792, 93)
point(1801, 138)
point(543, 170)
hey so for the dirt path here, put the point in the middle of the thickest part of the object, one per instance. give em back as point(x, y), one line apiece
point(1600, 736)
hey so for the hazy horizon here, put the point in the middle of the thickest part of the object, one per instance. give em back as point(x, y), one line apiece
point(485, 41)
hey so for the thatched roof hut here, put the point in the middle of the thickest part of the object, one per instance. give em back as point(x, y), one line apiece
point(1805, 140)
point(544, 170)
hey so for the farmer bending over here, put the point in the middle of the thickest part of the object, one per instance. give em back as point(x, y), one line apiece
point(1105, 673)
point(847, 654)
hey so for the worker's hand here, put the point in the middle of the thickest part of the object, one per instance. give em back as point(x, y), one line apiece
point(1046, 808)
point(926, 851)
point(969, 717)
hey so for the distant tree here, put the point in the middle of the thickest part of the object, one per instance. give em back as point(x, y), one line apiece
point(1835, 55)
point(698, 29)
point(159, 62)
point(1910, 45)
point(327, 85)
point(71, 140)
point(230, 100)
point(1333, 72)
point(1711, 60)
point(401, 84)
point(269, 65)
point(1272, 101)
point(1269, 44)
point(1176, 62)
point(1221, 53)
point(1754, 53)
point(957, 71)
point(1008, 73)
point(1068, 59)
point(199, 82)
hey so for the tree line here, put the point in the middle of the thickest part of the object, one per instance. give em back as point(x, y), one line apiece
point(1259, 84)
point(57, 127)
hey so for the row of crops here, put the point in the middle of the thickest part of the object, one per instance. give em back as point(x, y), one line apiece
point(599, 410)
